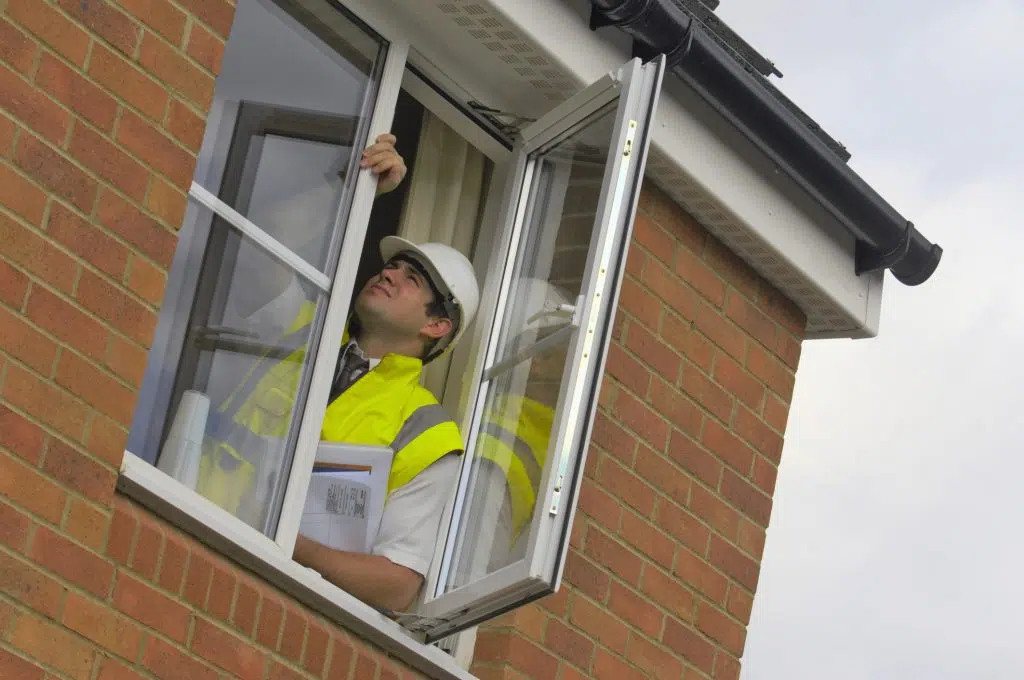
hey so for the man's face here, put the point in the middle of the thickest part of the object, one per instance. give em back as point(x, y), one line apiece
point(395, 301)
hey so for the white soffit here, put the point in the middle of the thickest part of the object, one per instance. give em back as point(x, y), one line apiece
point(492, 51)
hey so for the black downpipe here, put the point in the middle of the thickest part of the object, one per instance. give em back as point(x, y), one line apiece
point(885, 239)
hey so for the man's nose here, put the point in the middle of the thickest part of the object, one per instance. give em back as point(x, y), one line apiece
point(387, 275)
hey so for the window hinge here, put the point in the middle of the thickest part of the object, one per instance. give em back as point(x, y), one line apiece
point(627, 149)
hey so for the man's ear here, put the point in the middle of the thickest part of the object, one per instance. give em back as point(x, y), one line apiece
point(437, 328)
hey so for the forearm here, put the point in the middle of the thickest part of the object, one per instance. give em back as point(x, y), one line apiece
point(374, 579)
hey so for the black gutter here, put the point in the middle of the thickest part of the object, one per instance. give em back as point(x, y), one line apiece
point(885, 239)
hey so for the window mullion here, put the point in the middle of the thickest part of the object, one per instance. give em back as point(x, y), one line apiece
point(357, 217)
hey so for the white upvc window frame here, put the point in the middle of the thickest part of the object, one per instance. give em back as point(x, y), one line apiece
point(271, 556)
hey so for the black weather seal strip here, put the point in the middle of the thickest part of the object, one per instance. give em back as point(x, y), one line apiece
point(868, 259)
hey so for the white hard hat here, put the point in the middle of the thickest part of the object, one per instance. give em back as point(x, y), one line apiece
point(451, 273)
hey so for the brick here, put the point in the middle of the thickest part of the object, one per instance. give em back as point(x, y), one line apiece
point(788, 349)
point(748, 317)
point(719, 627)
point(524, 655)
point(342, 656)
point(701, 576)
point(673, 218)
point(653, 351)
point(557, 604)
point(268, 631)
point(314, 659)
point(81, 96)
point(69, 324)
point(37, 255)
point(37, 111)
point(8, 128)
point(739, 603)
point(727, 446)
point(227, 651)
point(25, 343)
point(148, 547)
point(91, 244)
point(156, 149)
point(222, 593)
point(14, 527)
point(95, 621)
point(126, 359)
point(16, 48)
point(682, 526)
point(690, 645)
point(13, 284)
point(86, 524)
point(639, 303)
point(109, 162)
point(137, 228)
point(738, 382)
point(667, 592)
point(115, 670)
point(663, 475)
point(25, 583)
point(74, 563)
point(115, 307)
point(294, 634)
point(782, 310)
point(627, 370)
point(96, 387)
point(613, 556)
point(610, 667)
point(709, 507)
point(20, 196)
point(54, 171)
point(738, 566)
point(651, 236)
point(636, 260)
point(680, 335)
point(180, 74)
point(187, 126)
point(776, 413)
point(613, 438)
point(653, 659)
point(638, 417)
point(52, 27)
point(648, 539)
point(167, 202)
point(15, 667)
point(586, 576)
point(720, 331)
point(205, 47)
point(626, 486)
point(174, 564)
point(689, 455)
point(106, 440)
point(30, 490)
point(47, 403)
point(151, 608)
point(600, 506)
point(666, 286)
point(217, 14)
point(764, 475)
point(106, 21)
point(127, 82)
point(598, 623)
point(680, 411)
point(749, 499)
point(635, 610)
point(732, 268)
point(20, 435)
point(147, 281)
point(167, 662)
point(726, 667)
point(772, 372)
point(697, 385)
point(53, 646)
point(750, 537)
point(691, 269)
point(278, 671)
point(160, 15)
point(568, 644)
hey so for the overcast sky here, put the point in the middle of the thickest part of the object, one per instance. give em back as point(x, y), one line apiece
point(896, 546)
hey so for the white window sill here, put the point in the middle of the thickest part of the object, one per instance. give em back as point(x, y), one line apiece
point(230, 536)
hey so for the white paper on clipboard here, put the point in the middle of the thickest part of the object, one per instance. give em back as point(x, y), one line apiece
point(346, 495)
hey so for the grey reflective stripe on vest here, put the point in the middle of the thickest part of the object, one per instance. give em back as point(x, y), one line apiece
point(522, 450)
point(421, 420)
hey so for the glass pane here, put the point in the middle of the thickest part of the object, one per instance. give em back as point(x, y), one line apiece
point(287, 109)
point(239, 385)
point(524, 384)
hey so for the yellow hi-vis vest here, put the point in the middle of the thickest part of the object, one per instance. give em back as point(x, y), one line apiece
point(518, 446)
point(387, 406)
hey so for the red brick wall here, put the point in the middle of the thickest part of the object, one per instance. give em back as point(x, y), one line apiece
point(668, 537)
point(103, 109)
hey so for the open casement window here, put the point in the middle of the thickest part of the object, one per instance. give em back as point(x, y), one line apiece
point(570, 201)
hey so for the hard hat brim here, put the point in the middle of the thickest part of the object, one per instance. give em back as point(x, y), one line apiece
point(393, 245)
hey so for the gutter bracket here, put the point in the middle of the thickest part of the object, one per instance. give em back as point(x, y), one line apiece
point(868, 259)
point(675, 56)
